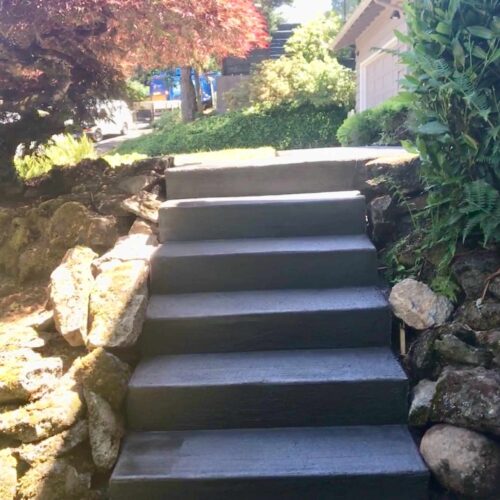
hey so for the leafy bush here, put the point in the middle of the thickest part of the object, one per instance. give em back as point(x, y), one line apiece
point(296, 81)
point(453, 87)
point(313, 40)
point(387, 125)
point(168, 120)
point(136, 91)
point(281, 128)
point(61, 150)
point(309, 73)
point(117, 160)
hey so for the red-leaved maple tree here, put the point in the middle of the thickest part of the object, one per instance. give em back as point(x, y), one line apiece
point(59, 56)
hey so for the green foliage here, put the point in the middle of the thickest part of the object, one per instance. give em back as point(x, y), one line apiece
point(269, 9)
point(281, 128)
point(136, 91)
point(62, 150)
point(313, 40)
point(117, 160)
point(296, 82)
point(387, 125)
point(168, 119)
point(454, 87)
point(308, 74)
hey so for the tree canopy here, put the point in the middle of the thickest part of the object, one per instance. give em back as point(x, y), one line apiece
point(57, 56)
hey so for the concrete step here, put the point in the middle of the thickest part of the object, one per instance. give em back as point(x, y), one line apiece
point(264, 264)
point(263, 216)
point(342, 463)
point(268, 389)
point(260, 320)
point(316, 172)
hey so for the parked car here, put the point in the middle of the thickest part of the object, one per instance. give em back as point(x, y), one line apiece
point(113, 118)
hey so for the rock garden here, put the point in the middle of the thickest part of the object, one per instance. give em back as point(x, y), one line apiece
point(451, 349)
point(74, 265)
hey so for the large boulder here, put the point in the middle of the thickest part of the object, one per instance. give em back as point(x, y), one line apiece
point(70, 286)
point(383, 174)
point(105, 430)
point(473, 270)
point(101, 232)
point(452, 350)
point(131, 247)
point(26, 375)
point(55, 446)
point(68, 224)
point(381, 215)
point(14, 337)
point(418, 306)
point(422, 360)
point(137, 183)
point(72, 224)
point(420, 410)
point(468, 398)
point(8, 475)
point(490, 340)
point(53, 413)
point(144, 205)
point(104, 374)
point(463, 461)
point(480, 315)
point(118, 304)
point(51, 480)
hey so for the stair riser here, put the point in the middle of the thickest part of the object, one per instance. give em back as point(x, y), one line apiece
point(263, 220)
point(267, 405)
point(307, 330)
point(290, 178)
point(226, 273)
point(376, 487)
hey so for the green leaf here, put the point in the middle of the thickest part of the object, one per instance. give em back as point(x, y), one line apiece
point(481, 32)
point(443, 28)
point(470, 141)
point(402, 37)
point(458, 53)
point(477, 51)
point(409, 147)
point(433, 128)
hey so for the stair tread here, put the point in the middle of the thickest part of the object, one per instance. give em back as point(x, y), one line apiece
point(262, 200)
point(303, 244)
point(227, 304)
point(261, 453)
point(268, 367)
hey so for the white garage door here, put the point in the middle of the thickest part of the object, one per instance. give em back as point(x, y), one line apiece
point(380, 75)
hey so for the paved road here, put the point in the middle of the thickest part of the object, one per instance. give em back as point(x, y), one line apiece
point(111, 142)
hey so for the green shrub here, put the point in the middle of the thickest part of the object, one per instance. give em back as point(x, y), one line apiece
point(295, 81)
point(61, 150)
point(453, 85)
point(309, 73)
point(117, 160)
point(168, 120)
point(281, 128)
point(385, 125)
point(136, 91)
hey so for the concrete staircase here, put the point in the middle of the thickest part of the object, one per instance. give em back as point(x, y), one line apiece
point(267, 369)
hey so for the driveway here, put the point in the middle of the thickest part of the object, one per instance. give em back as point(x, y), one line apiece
point(111, 142)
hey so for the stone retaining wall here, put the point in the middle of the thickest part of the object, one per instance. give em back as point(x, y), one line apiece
point(77, 259)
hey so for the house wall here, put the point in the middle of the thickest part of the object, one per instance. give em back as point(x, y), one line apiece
point(378, 72)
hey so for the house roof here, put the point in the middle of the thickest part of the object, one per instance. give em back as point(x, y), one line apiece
point(362, 17)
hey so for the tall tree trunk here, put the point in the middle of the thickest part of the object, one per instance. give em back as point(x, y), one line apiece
point(199, 101)
point(188, 95)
